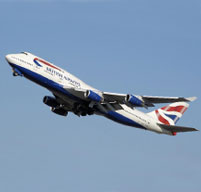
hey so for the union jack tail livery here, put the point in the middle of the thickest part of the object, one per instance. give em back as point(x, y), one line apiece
point(169, 115)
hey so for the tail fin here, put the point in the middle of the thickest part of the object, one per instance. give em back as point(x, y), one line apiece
point(169, 115)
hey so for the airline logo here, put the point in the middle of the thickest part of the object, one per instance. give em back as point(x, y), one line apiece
point(39, 63)
point(170, 114)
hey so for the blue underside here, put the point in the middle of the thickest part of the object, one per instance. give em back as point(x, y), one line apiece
point(122, 119)
point(53, 86)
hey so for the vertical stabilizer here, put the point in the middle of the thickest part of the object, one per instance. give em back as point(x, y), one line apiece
point(169, 115)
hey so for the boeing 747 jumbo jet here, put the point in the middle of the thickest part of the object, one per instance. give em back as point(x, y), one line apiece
point(70, 94)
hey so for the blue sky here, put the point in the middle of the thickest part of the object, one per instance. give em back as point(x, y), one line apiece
point(140, 47)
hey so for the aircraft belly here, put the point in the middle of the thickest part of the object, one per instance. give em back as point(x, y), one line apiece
point(123, 117)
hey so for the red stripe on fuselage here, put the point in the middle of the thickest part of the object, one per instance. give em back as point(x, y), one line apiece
point(161, 119)
point(46, 63)
point(180, 109)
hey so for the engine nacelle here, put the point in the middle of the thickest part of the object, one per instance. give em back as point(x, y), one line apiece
point(133, 100)
point(59, 111)
point(93, 96)
point(50, 101)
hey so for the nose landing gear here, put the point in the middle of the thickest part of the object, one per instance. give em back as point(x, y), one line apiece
point(16, 72)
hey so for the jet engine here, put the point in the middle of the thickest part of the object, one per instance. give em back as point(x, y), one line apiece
point(50, 101)
point(133, 100)
point(59, 111)
point(93, 96)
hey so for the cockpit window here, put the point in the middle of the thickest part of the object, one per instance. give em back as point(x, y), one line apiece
point(24, 53)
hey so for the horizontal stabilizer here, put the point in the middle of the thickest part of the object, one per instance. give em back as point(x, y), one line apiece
point(176, 129)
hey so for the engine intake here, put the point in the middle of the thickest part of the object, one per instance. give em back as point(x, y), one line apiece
point(50, 101)
point(93, 96)
point(133, 100)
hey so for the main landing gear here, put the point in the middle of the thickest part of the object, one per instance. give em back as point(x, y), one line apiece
point(82, 110)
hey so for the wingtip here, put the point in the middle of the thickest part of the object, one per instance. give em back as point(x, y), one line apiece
point(191, 99)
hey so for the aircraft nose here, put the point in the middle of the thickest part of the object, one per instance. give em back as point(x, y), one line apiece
point(7, 57)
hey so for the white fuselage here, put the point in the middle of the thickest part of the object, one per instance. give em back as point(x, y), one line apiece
point(56, 79)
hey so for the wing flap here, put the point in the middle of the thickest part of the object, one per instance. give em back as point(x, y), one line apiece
point(156, 99)
point(112, 97)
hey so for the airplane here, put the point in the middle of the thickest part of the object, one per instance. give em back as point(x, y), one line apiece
point(70, 94)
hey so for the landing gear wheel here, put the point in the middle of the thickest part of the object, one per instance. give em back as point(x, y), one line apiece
point(15, 74)
point(83, 113)
point(90, 112)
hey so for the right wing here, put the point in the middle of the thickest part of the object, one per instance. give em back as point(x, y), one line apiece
point(147, 101)
point(128, 99)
